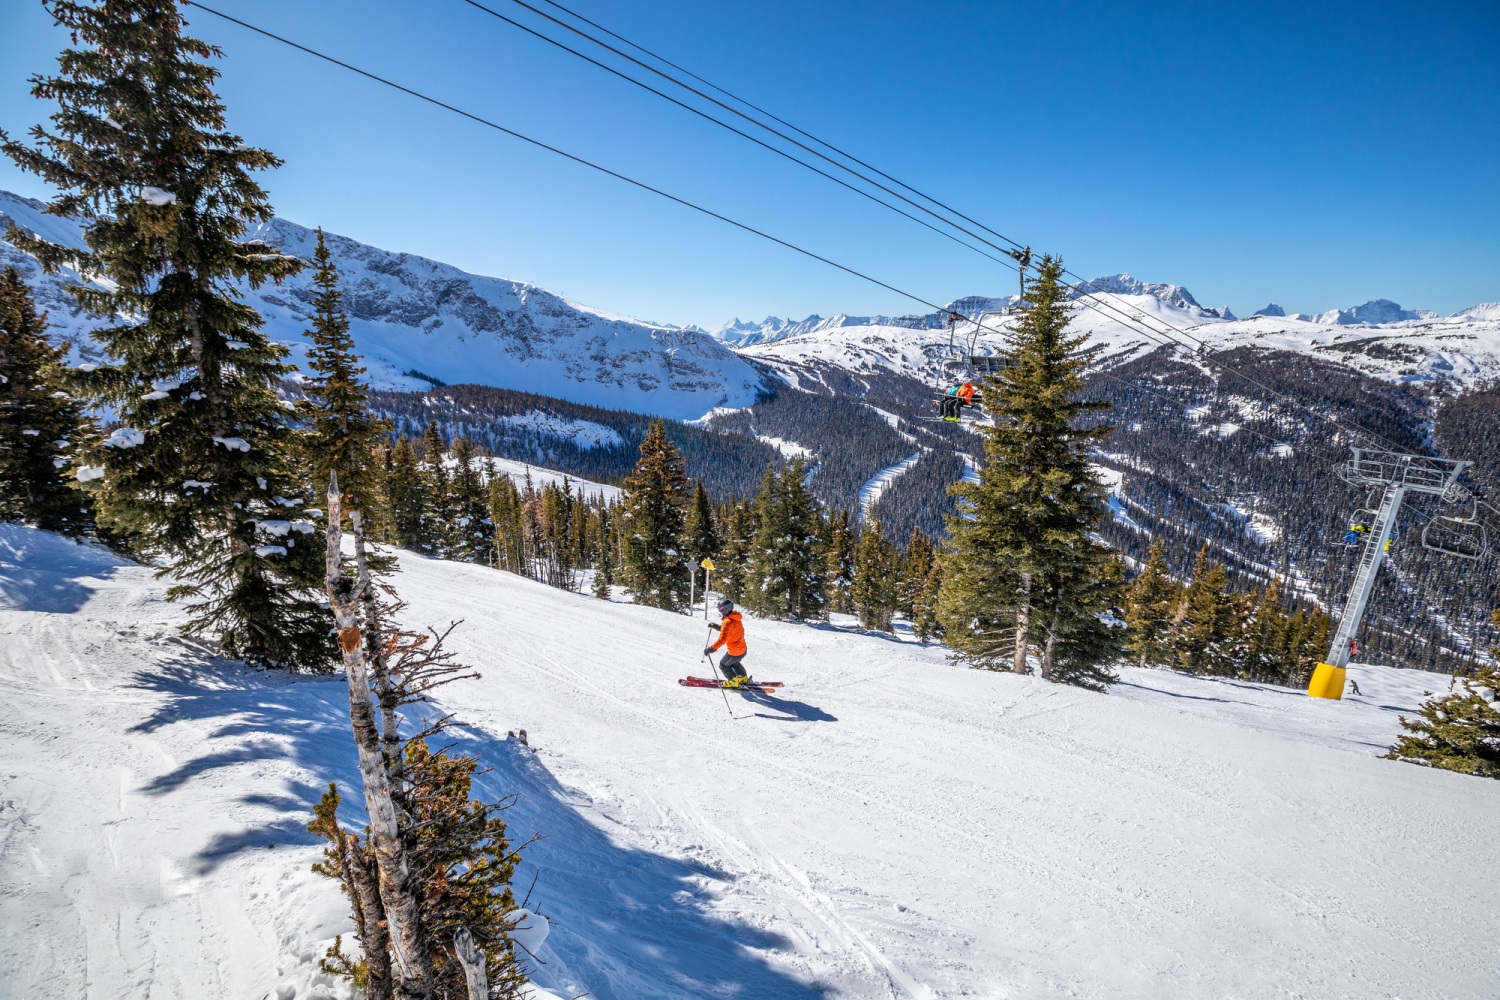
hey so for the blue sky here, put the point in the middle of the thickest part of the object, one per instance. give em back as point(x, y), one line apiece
point(1314, 154)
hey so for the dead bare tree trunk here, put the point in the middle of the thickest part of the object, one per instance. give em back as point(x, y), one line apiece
point(472, 959)
point(370, 922)
point(378, 653)
point(1047, 654)
point(1023, 624)
point(413, 976)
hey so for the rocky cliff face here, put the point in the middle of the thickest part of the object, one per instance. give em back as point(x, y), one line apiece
point(419, 322)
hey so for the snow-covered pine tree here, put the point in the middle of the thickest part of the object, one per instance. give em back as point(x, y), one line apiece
point(701, 534)
point(1459, 732)
point(200, 471)
point(785, 574)
point(654, 511)
point(873, 592)
point(1020, 544)
point(838, 562)
point(916, 563)
point(471, 534)
point(1150, 602)
point(41, 425)
point(343, 435)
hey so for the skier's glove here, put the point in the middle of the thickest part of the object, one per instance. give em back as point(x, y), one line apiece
point(708, 651)
point(714, 626)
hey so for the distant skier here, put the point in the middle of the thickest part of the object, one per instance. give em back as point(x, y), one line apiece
point(732, 637)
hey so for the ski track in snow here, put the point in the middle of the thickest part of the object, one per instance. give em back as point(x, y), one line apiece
point(887, 826)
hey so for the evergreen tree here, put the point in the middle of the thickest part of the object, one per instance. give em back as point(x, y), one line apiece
point(916, 564)
point(507, 513)
point(925, 621)
point(1460, 732)
point(785, 578)
point(1019, 548)
point(734, 559)
point(437, 501)
point(1084, 626)
point(656, 497)
point(343, 435)
point(471, 534)
point(873, 592)
point(1149, 604)
point(838, 563)
point(1265, 633)
point(701, 537)
point(406, 495)
point(200, 473)
point(1206, 620)
point(604, 569)
point(40, 423)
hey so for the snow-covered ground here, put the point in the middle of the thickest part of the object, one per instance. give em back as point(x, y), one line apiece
point(540, 477)
point(889, 826)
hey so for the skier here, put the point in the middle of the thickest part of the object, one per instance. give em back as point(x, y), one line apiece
point(732, 637)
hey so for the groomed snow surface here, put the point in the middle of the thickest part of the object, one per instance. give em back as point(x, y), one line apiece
point(890, 826)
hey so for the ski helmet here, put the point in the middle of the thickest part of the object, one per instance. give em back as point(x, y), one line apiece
point(726, 606)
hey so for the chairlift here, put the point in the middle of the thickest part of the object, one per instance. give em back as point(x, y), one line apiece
point(1361, 522)
point(1460, 537)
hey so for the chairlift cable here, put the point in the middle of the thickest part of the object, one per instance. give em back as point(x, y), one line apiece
point(1098, 305)
point(1139, 322)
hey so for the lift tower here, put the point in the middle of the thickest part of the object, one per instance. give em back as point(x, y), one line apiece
point(1396, 474)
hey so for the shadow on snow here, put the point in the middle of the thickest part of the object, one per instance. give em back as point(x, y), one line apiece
point(626, 923)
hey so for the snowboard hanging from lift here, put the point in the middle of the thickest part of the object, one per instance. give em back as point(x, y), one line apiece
point(764, 687)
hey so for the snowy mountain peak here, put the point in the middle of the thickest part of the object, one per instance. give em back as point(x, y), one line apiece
point(1484, 310)
point(1272, 310)
point(1124, 284)
point(1373, 312)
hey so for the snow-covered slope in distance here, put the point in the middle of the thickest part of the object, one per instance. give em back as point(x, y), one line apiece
point(410, 314)
point(1416, 346)
point(888, 826)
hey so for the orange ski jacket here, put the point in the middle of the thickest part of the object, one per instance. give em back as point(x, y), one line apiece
point(732, 634)
point(966, 392)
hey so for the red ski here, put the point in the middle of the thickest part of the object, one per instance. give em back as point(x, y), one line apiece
point(764, 687)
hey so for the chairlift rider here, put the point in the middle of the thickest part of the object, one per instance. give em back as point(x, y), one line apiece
point(957, 397)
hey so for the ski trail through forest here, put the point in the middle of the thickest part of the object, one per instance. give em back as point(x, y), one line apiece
point(886, 826)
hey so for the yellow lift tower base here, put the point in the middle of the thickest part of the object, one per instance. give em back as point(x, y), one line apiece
point(1327, 682)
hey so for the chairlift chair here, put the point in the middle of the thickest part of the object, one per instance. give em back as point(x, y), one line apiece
point(1360, 524)
point(1460, 537)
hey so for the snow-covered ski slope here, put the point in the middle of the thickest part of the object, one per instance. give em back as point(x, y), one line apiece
point(888, 826)
point(408, 314)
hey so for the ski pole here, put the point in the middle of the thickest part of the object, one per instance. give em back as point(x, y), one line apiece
point(719, 677)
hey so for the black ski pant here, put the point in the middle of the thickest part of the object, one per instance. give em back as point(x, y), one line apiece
point(732, 667)
point(952, 405)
